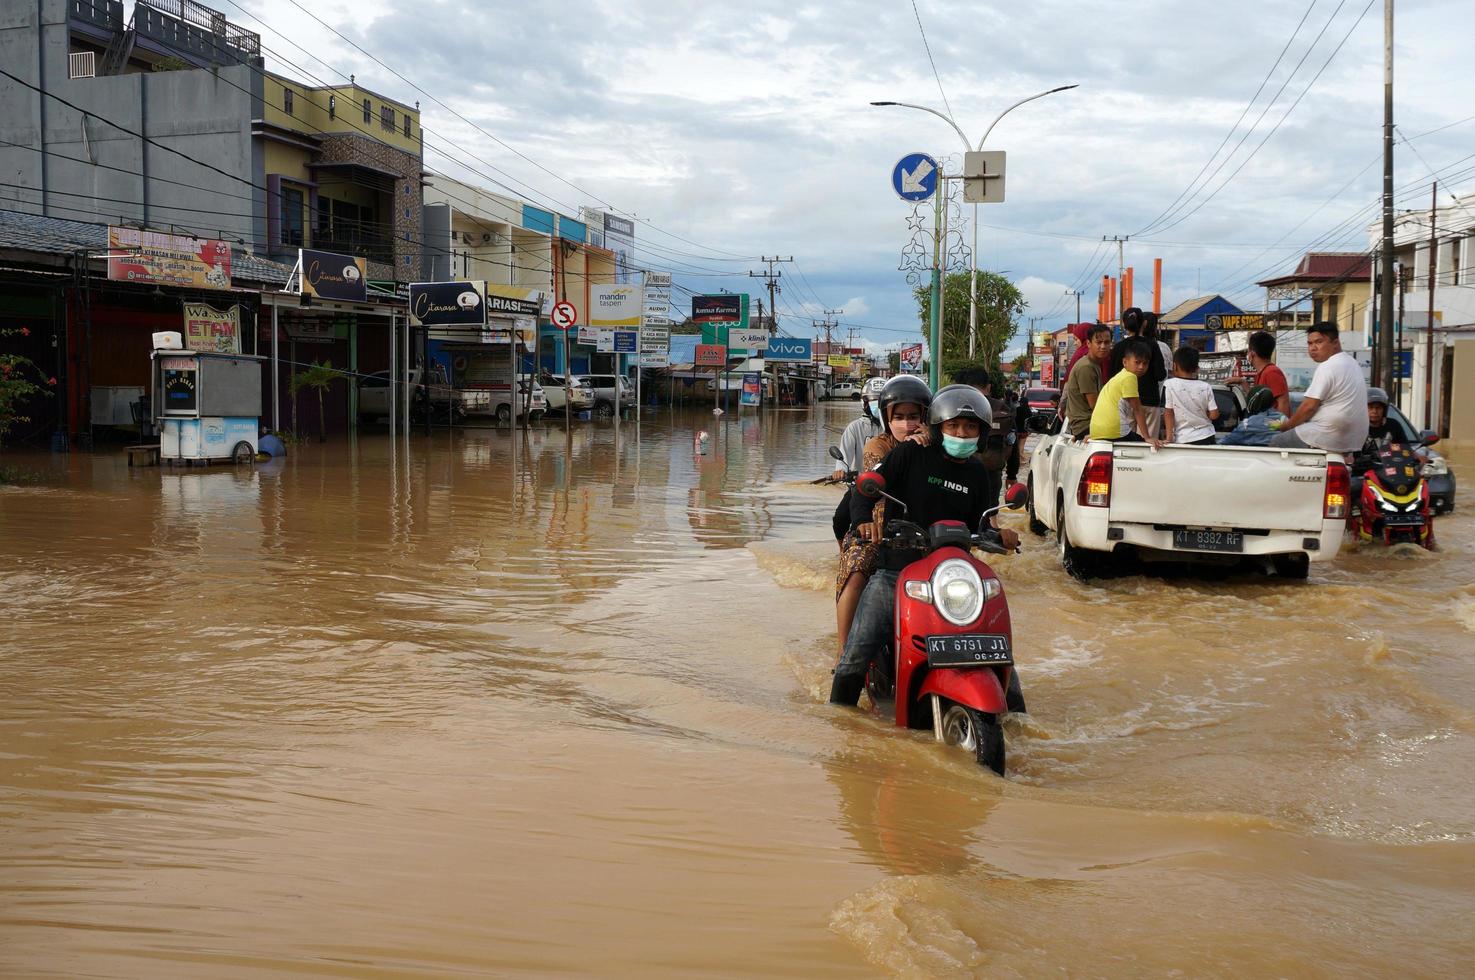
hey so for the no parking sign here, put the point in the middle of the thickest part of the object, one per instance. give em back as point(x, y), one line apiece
point(564, 316)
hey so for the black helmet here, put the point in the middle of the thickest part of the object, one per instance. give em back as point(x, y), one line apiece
point(902, 389)
point(1259, 399)
point(1377, 395)
point(961, 402)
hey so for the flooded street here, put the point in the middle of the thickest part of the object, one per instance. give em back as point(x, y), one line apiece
point(553, 704)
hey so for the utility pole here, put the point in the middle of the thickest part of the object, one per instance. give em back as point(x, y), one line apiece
point(829, 325)
point(1077, 294)
point(772, 276)
point(1121, 266)
point(1385, 298)
point(1429, 326)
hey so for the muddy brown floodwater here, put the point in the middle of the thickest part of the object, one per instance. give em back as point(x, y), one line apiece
point(494, 705)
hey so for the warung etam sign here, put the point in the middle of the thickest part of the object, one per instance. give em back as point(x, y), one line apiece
point(209, 329)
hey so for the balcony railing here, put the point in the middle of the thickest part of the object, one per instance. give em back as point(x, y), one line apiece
point(106, 14)
point(194, 29)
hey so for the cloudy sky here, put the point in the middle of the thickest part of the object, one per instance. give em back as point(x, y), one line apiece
point(734, 130)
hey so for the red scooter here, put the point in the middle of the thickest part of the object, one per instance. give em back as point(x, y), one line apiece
point(1393, 504)
point(951, 663)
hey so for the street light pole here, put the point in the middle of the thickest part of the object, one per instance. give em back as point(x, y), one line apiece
point(973, 256)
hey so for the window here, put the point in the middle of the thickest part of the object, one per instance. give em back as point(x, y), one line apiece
point(368, 112)
point(386, 118)
point(287, 100)
point(292, 206)
point(1331, 308)
point(332, 107)
point(407, 125)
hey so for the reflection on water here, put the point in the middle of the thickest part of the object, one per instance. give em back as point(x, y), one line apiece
point(551, 701)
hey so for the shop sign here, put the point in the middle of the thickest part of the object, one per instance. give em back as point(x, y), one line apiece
point(1235, 321)
point(723, 308)
point(169, 260)
point(209, 329)
point(448, 304)
point(330, 275)
point(589, 335)
point(618, 226)
point(789, 349)
point(1218, 367)
point(747, 339)
point(838, 360)
point(752, 389)
point(513, 300)
point(614, 306)
point(711, 355)
point(911, 359)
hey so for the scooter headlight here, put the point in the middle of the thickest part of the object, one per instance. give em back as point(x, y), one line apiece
point(959, 592)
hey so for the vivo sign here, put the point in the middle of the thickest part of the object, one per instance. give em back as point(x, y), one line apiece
point(790, 349)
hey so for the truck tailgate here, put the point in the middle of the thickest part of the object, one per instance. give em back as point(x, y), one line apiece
point(1219, 486)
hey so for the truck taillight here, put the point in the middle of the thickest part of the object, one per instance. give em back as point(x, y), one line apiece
point(1095, 488)
point(1338, 489)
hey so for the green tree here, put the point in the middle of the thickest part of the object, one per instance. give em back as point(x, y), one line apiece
point(20, 380)
point(999, 305)
point(319, 377)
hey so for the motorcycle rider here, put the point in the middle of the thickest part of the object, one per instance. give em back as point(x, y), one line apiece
point(943, 480)
point(902, 405)
point(852, 447)
point(1380, 428)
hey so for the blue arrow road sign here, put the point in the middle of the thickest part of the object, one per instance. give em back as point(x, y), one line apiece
point(915, 177)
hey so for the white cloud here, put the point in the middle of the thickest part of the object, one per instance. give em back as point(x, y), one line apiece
point(766, 143)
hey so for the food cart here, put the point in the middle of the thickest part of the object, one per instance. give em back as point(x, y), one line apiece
point(207, 406)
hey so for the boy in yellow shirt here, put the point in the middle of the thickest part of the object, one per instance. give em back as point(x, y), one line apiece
point(1118, 413)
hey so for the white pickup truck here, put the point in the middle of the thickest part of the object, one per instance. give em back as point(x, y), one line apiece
point(1205, 504)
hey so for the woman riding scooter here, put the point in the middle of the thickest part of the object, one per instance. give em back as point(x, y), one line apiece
point(902, 406)
point(941, 481)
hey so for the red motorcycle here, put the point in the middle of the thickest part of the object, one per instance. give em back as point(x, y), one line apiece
point(951, 662)
point(1393, 504)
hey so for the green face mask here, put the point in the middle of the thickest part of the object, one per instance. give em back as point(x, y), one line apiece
point(959, 448)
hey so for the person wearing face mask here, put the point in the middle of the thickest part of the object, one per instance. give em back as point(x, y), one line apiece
point(902, 404)
point(941, 481)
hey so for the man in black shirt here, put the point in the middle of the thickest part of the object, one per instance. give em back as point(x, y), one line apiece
point(941, 481)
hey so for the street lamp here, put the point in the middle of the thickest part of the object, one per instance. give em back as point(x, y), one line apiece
point(968, 148)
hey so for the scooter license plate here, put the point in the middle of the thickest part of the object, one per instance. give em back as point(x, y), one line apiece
point(1403, 520)
point(969, 650)
point(1195, 540)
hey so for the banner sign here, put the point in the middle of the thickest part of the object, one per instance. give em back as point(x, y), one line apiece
point(654, 340)
point(589, 335)
point(724, 308)
point(618, 226)
point(747, 339)
point(627, 341)
point(1234, 321)
point(448, 304)
point(513, 300)
point(614, 306)
point(606, 342)
point(209, 329)
point(331, 276)
point(1218, 367)
point(752, 389)
point(170, 260)
point(1047, 372)
point(911, 359)
point(838, 360)
point(711, 355)
point(790, 349)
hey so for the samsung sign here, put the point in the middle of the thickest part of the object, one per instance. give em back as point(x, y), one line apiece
point(618, 226)
point(790, 349)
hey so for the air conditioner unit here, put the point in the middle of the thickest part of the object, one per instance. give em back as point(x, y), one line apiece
point(466, 237)
point(486, 238)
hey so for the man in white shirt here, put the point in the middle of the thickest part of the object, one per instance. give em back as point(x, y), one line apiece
point(1333, 415)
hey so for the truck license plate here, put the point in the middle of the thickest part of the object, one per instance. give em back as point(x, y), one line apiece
point(969, 650)
point(1191, 540)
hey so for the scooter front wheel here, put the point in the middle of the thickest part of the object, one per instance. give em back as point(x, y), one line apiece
point(977, 732)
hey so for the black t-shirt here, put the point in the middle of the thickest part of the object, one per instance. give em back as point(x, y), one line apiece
point(934, 486)
point(1150, 385)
